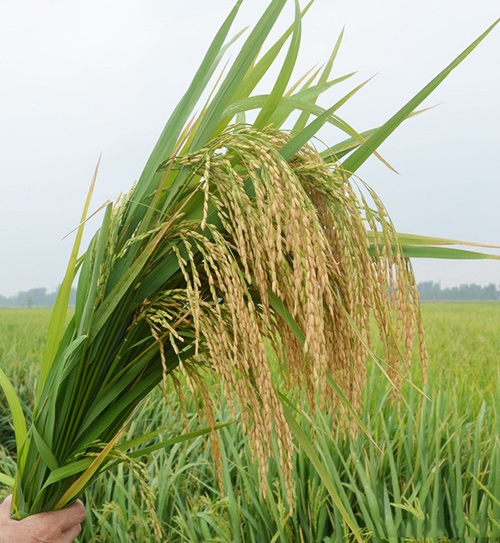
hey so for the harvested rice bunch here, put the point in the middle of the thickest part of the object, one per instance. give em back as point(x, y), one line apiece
point(239, 240)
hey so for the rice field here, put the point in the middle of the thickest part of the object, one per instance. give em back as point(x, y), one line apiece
point(431, 473)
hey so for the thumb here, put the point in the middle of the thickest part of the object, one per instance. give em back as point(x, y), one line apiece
point(5, 508)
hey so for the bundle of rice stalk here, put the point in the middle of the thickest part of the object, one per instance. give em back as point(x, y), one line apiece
point(237, 237)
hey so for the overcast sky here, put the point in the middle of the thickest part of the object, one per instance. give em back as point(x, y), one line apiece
point(80, 78)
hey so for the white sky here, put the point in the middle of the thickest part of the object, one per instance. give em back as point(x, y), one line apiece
point(81, 78)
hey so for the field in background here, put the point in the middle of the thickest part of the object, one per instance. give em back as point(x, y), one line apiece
point(464, 344)
point(437, 473)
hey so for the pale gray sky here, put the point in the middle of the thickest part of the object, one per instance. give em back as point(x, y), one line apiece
point(81, 78)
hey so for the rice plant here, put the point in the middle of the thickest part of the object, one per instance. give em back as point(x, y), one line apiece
point(239, 238)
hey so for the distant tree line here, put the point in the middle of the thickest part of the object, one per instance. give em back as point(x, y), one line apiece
point(430, 291)
point(36, 297)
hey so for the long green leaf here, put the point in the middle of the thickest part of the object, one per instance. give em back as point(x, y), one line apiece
point(283, 78)
point(415, 246)
point(303, 118)
point(347, 404)
point(237, 72)
point(45, 452)
point(77, 487)
point(283, 312)
point(261, 67)
point(172, 441)
point(308, 449)
point(301, 101)
point(80, 466)
point(305, 135)
point(59, 312)
point(339, 150)
point(98, 257)
point(184, 108)
point(412, 251)
point(414, 239)
point(308, 95)
point(18, 419)
point(354, 161)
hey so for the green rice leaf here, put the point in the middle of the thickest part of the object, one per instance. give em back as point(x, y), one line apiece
point(283, 312)
point(347, 405)
point(354, 161)
point(172, 441)
point(45, 452)
point(303, 118)
point(413, 239)
point(83, 284)
point(283, 78)
point(415, 246)
point(59, 312)
point(74, 468)
point(170, 134)
point(76, 488)
point(261, 67)
point(98, 257)
point(305, 135)
point(18, 419)
point(301, 101)
point(309, 95)
point(237, 72)
point(412, 251)
point(307, 447)
point(339, 150)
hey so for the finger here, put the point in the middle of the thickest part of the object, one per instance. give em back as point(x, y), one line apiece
point(70, 535)
point(65, 519)
point(5, 508)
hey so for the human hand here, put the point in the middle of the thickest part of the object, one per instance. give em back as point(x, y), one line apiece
point(61, 526)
